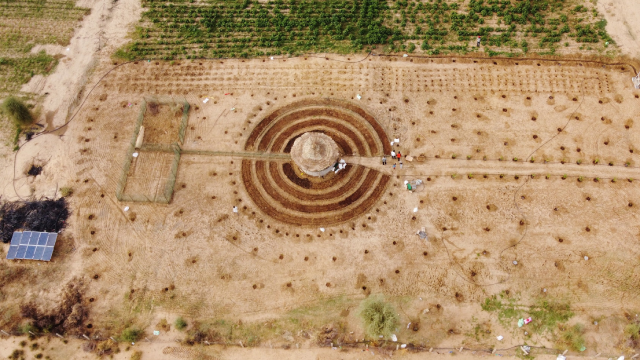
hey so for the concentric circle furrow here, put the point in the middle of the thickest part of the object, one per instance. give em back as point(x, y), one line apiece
point(272, 188)
point(386, 146)
point(348, 184)
point(375, 131)
point(340, 134)
point(361, 201)
point(287, 192)
point(306, 186)
point(269, 119)
point(328, 117)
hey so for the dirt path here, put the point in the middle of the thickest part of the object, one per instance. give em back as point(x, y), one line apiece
point(101, 33)
point(447, 167)
point(167, 350)
point(622, 24)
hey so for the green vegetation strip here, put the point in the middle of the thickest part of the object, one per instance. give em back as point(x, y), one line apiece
point(545, 314)
point(16, 71)
point(26, 23)
point(246, 28)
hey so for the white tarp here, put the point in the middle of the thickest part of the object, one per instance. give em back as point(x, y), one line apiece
point(636, 81)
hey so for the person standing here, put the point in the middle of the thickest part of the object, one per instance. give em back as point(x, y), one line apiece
point(478, 41)
point(399, 155)
point(393, 154)
point(384, 160)
point(400, 164)
point(394, 166)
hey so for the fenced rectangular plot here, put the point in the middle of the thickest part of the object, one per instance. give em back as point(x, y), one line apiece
point(32, 245)
point(151, 174)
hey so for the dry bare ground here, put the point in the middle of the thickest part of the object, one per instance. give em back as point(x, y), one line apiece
point(622, 24)
point(194, 258)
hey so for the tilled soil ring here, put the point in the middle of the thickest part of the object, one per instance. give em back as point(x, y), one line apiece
point(290, 197)
point(342, 135)
point(359, 117)
point(342, 178)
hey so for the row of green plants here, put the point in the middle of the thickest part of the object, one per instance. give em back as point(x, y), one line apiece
point(28, 23)
point(250, 28)
point(15, 71)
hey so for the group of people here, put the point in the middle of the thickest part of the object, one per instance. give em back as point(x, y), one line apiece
point(394, 156)
point(339, 165)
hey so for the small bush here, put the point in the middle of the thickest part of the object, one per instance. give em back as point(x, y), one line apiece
point(632, 331)
point(379, 317)
point(573, 338)
point(137, 355)
point(17, 355)
point(17, 111)
point(131, 334)
point(66, 191)
point(180, 324)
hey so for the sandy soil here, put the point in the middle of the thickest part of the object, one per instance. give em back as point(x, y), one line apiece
point(254, 268)
point(165, 351)
point(101, 33)
point(480, 214)
point(622, 24)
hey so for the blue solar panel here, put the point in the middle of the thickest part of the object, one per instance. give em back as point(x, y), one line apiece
point(25, 238)
point(52, 239)
point(30, 251)
point(39, 252)
point(42, 239)
point(11, 254)
point(32, 245)
point(22, 249)
point(48, 251)
point(34, 238)
point(15, 239)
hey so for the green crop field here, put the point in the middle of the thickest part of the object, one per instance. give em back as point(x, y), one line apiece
point(190, 29)
point(25, 23)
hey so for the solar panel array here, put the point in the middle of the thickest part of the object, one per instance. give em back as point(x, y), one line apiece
point(32, 245)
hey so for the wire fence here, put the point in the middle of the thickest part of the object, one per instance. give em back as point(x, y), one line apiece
point(124, 193)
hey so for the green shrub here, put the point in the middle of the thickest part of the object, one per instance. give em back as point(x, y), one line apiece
point(180, 324)
point(573, 338)
point(17, 111)
point(632, 331)
point(66, 191)
point(137, 355)
point(378, 316)
point(131, 334)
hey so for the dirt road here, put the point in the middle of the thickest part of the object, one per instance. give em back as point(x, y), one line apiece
point(623, 24)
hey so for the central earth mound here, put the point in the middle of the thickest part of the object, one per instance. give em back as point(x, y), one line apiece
point(315, 153)
point(326, 128)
